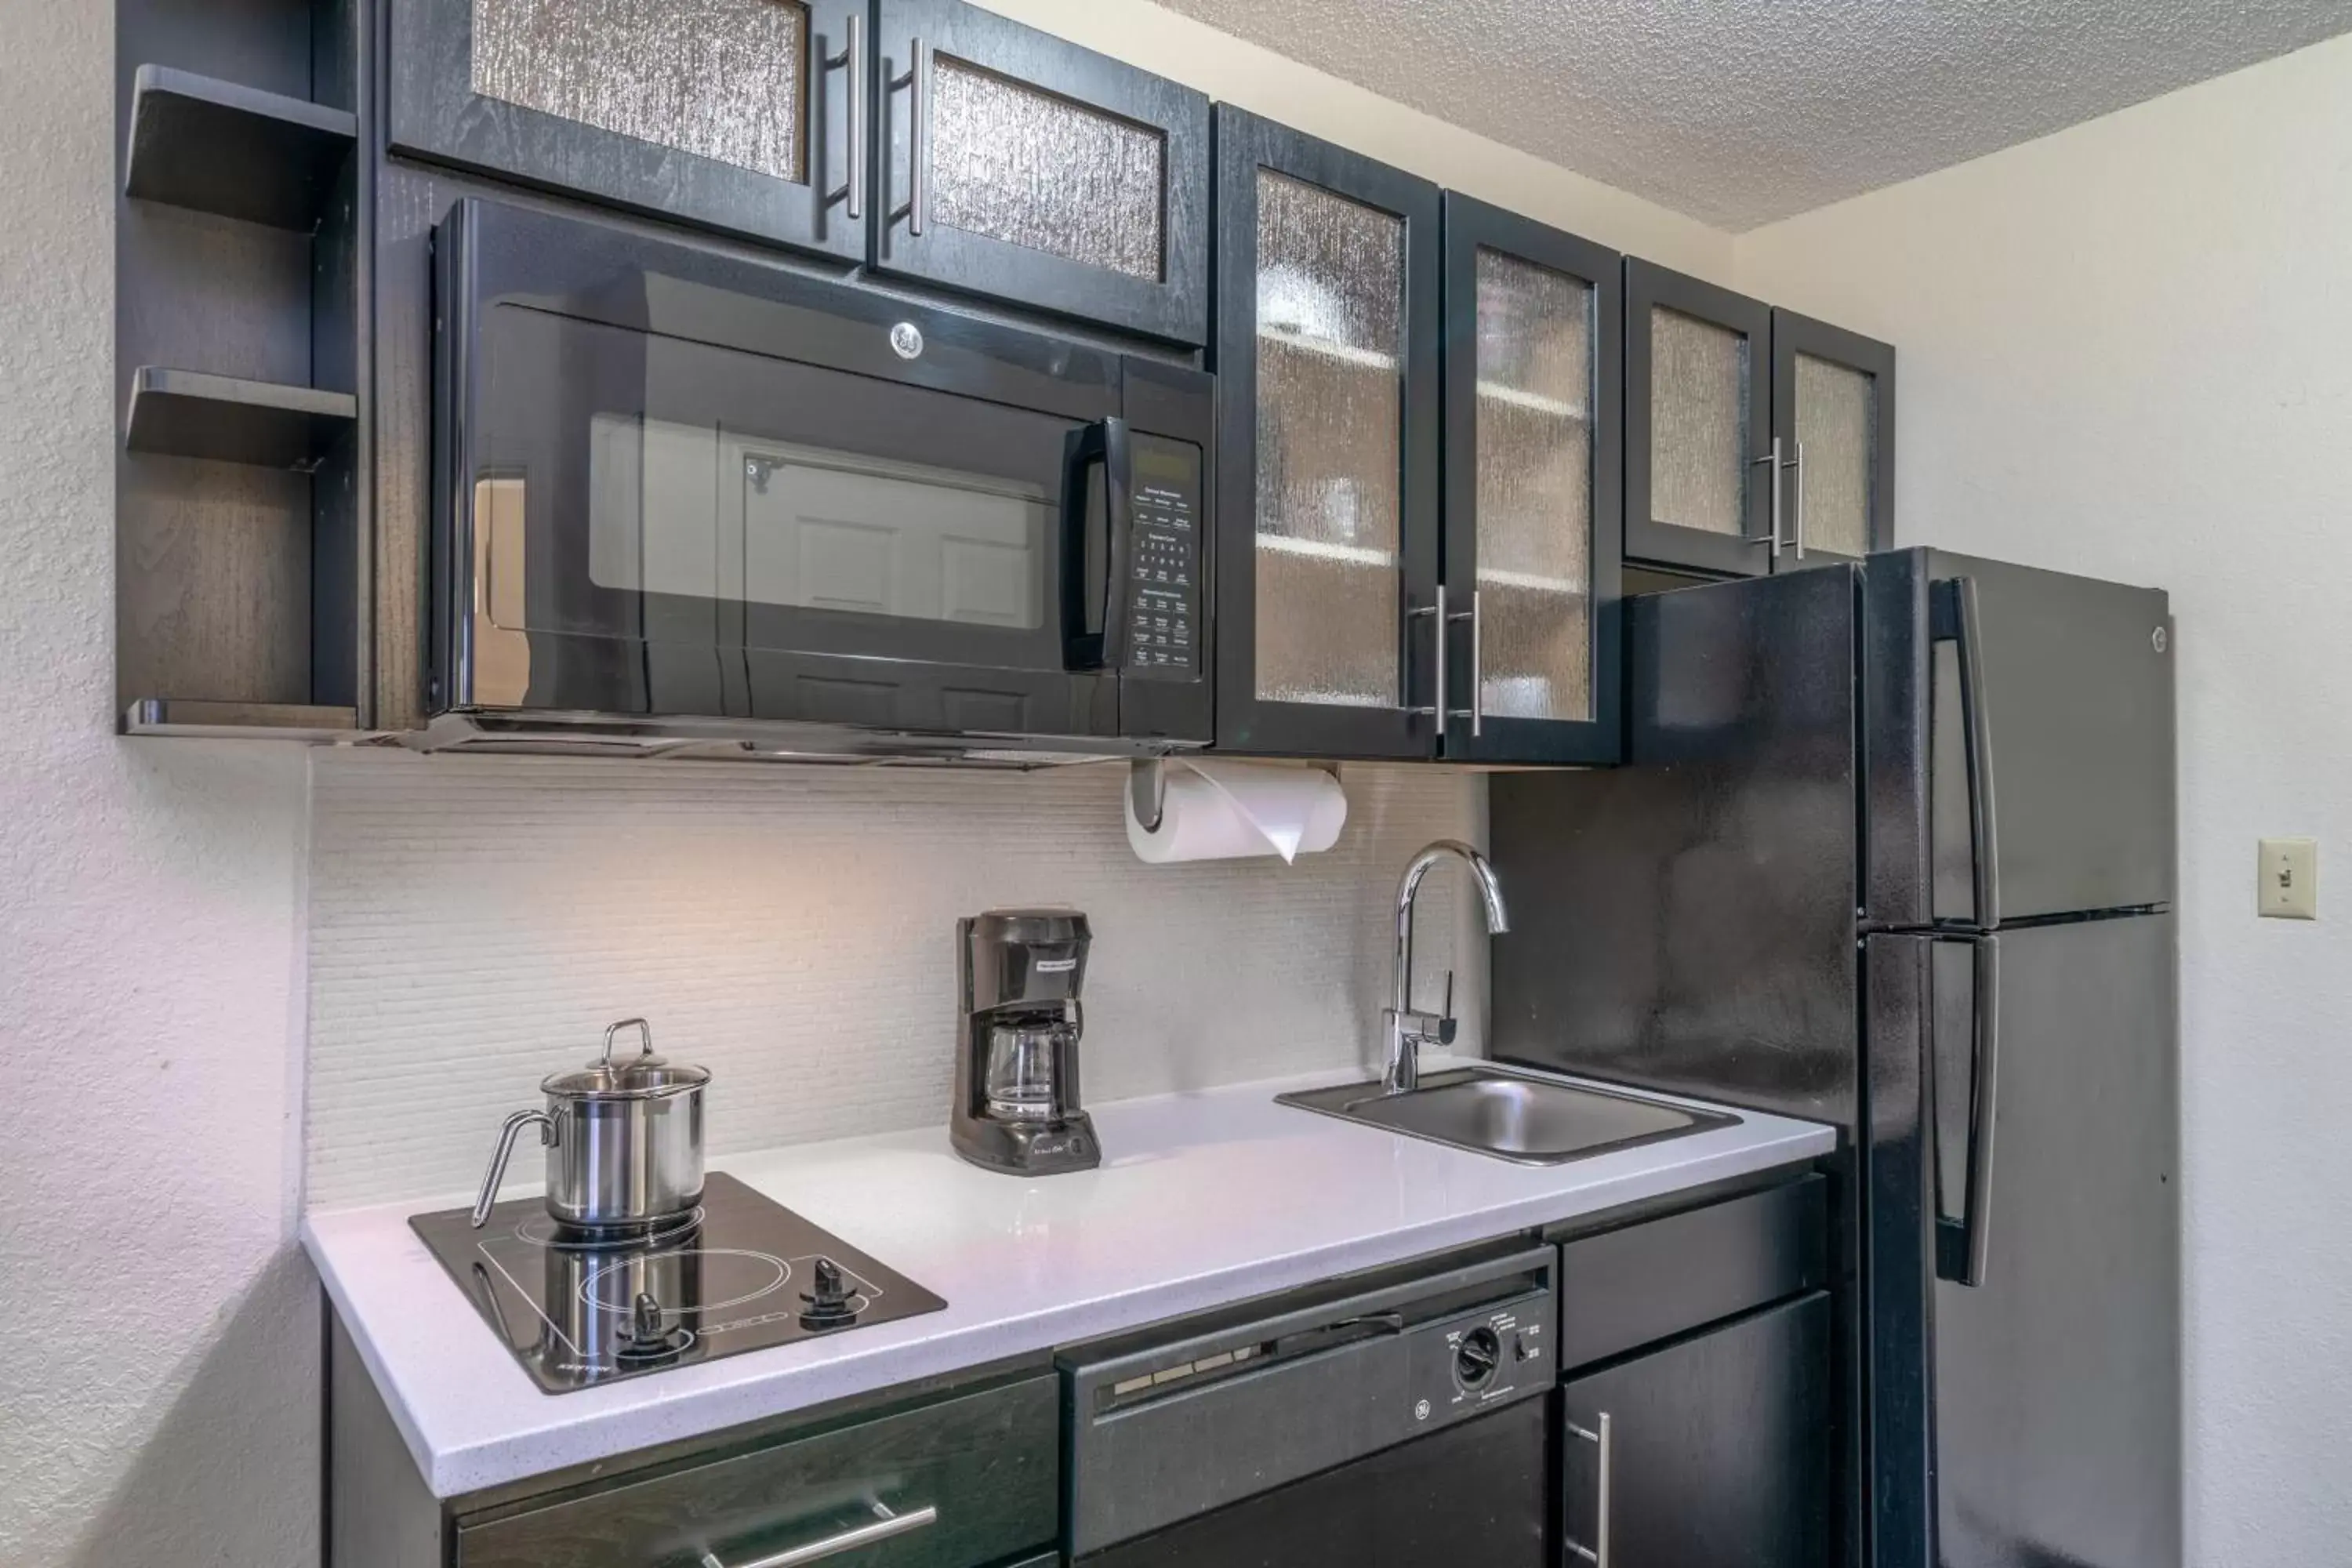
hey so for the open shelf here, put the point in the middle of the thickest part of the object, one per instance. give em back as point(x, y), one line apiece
point(188, 413)
point(216, 147)
point(266, 721)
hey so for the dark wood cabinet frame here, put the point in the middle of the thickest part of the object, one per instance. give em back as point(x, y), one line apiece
point(1793, 334)
point(435, 114)
point(1648, 287)
point(1174, 306)
point(1472, 226)
point(1245, 722)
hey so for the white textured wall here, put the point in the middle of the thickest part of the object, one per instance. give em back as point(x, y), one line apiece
point(160, 1404)
point(2126, 351)
point(476, 922)
point(1232, 70)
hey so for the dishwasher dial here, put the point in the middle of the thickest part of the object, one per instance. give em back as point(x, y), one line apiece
point(1475, 1359)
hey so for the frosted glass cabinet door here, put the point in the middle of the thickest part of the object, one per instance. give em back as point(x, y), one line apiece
point(1018, 165)
point(1833, 409)
point(1699, 424)
point(732, 114)
point(1327, 372)
point(1534, 512)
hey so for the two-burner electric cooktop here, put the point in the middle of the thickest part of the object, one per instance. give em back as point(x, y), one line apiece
point(740, 1273)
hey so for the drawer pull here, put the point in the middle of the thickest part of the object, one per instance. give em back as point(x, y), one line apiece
point(885, 1526)
point(1598, 1552)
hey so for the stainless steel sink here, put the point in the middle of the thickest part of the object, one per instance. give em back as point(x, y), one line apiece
point(1531, 1121)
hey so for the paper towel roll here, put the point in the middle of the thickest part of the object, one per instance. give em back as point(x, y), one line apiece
point(1222, 811)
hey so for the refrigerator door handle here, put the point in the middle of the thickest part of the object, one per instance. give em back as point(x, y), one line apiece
point(1956, 621)
point(1963, 1245)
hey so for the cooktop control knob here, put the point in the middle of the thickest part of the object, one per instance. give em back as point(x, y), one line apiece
point(648, 1336)
point(828, 1302)
point(1475, 1359)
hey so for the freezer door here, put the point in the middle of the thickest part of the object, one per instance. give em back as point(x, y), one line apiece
point(2057, 1374)
point(2020, 740)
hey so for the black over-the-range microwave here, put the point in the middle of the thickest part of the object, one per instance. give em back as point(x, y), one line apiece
point(686, 503)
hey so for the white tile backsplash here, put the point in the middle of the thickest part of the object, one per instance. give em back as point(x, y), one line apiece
point(475, 922)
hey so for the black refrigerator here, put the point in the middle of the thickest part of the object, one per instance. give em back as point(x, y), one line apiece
point(1894, 848)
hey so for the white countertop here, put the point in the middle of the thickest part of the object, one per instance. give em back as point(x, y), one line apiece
point(1207, 1198)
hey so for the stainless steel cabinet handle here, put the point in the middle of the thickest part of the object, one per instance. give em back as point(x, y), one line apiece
point(852, 59)
point(1476, 711)
point(916, 81)
point(886, 1525)
point(1797, 473)
point(1770, 463)
point(1598, 1552)
point(1437, 710)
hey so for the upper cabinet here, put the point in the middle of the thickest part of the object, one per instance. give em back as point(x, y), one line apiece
point(741, 115)
point(1329, 301)
point(1833, 415)
point(1025, 168)
point(1419, 450)
point(1757, 440)
point(929, 138)
point(1534, 453)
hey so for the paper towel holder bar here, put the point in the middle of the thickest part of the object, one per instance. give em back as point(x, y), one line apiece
point(1146, 791)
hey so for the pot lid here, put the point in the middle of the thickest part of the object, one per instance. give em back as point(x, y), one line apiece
point(612, 1077)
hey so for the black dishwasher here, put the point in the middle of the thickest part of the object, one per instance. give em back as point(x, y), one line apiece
point(1396, 1420)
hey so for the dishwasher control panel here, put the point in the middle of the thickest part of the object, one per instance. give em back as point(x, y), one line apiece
point(1480, 1359)
point(1173, 1422)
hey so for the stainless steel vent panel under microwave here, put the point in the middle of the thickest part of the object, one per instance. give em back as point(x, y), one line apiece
point(709, 494)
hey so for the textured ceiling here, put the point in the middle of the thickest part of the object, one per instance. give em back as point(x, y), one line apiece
point(1741, 111)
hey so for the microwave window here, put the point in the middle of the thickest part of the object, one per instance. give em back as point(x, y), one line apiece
point(704, 512)
point(662, 488)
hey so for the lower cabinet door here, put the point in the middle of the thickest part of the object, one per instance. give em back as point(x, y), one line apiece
point(1716, 1452)
point(1473, 1496)
point(968, 1481)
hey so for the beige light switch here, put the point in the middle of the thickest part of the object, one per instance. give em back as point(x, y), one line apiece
point(2290, 878)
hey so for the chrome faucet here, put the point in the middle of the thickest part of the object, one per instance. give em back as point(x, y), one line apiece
point(1409, 1030)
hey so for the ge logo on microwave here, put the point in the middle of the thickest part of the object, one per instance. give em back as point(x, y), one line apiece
point(907, 340)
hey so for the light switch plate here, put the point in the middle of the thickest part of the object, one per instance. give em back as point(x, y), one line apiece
point(2289, 878)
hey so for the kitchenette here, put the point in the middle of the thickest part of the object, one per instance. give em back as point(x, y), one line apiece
point(1044, 824)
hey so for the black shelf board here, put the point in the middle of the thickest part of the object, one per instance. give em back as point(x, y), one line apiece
point(216, 147)
point(266, 721)
point(188, 413)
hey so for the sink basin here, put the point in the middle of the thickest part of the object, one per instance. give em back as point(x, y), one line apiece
point(1528, 1120)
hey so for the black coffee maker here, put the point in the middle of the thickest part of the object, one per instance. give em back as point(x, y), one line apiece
point(1016, 1081)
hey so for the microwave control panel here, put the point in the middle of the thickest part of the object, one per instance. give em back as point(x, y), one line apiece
point(1164, 562)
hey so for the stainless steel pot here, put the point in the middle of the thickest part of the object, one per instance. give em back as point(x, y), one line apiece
point(623, 1140)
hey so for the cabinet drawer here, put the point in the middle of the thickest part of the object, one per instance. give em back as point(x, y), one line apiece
point(988, 1464)
point(1623, 1289)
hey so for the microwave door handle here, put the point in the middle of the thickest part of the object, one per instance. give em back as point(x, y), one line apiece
point(1118, 526)
point(1105, 442)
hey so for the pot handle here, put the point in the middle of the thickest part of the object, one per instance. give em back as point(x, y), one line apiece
point(645, 1037)
point(507, 1136)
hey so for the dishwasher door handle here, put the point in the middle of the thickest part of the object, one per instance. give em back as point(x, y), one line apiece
point(1308, 1339)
